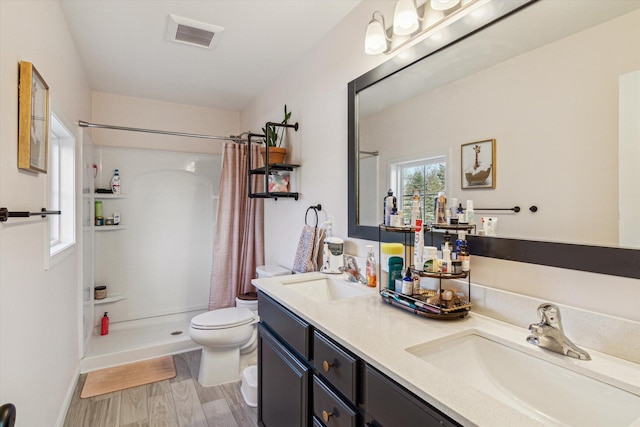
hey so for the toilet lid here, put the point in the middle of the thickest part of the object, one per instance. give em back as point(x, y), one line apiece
point(223, 318)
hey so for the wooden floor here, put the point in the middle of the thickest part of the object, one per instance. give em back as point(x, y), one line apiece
point(178, 402)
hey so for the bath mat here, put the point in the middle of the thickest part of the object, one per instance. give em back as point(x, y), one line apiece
point(127, 376)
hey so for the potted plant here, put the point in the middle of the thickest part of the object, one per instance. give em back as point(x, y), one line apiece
point(273, 141)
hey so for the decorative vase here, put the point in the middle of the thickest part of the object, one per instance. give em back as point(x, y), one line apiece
point(276, 155)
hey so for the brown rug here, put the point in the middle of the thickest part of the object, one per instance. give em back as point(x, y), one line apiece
point(127, 376)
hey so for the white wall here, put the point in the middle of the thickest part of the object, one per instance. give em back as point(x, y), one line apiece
point(316, 91)
point(39, 310)
point(118, 110)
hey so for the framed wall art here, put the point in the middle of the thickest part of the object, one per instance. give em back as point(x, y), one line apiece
point(478, 164)
point(33, 119)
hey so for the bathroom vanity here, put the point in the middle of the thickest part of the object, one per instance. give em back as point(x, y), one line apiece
point(333, 353)
point(305, 376)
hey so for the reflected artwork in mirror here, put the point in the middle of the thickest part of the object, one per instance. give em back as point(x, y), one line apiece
point(552, 81)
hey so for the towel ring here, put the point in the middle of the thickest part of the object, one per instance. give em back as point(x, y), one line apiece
point(315, 210)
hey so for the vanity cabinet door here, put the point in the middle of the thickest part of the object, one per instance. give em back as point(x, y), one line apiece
point(283, 384)
point(389, 405)
point(294, 331)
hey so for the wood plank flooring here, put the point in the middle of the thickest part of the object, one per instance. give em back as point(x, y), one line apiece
point(178, 402)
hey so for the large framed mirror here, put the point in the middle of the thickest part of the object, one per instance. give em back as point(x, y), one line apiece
point(557, 84)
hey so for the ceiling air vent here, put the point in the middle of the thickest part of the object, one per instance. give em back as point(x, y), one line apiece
point(185, 30)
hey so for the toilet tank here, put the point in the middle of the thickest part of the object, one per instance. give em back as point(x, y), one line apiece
point(264, 271)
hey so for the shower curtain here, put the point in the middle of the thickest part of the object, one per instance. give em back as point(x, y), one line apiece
point(239, 235)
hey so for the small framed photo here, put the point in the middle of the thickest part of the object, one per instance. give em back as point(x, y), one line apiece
point(33, 119)
point(279, 182)
point(478, 164)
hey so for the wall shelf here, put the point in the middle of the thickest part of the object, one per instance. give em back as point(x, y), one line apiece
point(268, 168)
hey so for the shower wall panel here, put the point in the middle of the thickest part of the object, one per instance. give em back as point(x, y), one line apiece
point(160, 259)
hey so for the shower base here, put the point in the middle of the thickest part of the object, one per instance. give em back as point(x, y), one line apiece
point(139, 339)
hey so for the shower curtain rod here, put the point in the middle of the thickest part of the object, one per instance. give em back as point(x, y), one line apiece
point(234, 138)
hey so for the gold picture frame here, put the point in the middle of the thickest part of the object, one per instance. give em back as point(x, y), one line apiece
point(33, 119)
point(478, 164)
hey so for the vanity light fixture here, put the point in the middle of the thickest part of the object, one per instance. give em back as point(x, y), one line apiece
point(443, 4)
point(412, 23)
point(376, 40)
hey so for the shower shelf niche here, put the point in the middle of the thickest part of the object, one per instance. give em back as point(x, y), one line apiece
point(109, 228)
point(113, 298)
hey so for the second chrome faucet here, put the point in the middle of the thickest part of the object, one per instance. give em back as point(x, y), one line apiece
point(548, 333)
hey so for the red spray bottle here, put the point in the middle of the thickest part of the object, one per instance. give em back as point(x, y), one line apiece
point(104, 327)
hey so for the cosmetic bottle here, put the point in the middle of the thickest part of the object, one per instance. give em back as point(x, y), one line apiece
point(407, 283)
point(446, 261)
point(104, 324)
point(440, 208)
point(461, 238)
point(115, 182)
point(464, 256)
point(470, 214)
point(415, 207)
point(418, 246)
point(446, 241)
point(371, 267)
point(389, 206)
point(430, 259)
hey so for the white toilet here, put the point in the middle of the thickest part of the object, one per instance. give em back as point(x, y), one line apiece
point(229, 336)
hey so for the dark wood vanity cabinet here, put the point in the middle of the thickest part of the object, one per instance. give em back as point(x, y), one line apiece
point(283, 384)
point(390, 405)
point(305, 379)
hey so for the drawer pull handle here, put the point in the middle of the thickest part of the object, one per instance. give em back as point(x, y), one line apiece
point(326, 415)
point(326, 365)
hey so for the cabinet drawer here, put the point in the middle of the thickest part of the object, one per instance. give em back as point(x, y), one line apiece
point(390, 405)
point(336, 365)
point(330, 408)
point(294, 331)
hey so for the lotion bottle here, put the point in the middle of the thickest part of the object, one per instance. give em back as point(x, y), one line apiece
point(115, 182)
point(471, 217)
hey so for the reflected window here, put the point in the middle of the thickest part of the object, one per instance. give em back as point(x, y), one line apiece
point(427, 176)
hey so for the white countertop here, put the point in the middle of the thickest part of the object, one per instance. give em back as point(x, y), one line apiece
point(379, 334)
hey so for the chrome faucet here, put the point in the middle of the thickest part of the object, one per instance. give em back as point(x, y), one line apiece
point(548, 333)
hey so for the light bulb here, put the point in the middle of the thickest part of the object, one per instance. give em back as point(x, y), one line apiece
point(443, 4)
point(375, 40)
point(405, 18)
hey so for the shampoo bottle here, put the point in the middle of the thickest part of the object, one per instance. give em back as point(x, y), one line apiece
point(115, 182)
point(389, 207)
point(104, 325)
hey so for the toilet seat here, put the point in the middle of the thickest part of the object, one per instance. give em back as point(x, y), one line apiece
point(224, 318)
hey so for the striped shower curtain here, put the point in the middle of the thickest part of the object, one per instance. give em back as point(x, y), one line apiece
point(238, 247)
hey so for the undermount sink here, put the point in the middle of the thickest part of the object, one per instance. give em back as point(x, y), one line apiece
point(325, 289)
point(542, 390)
